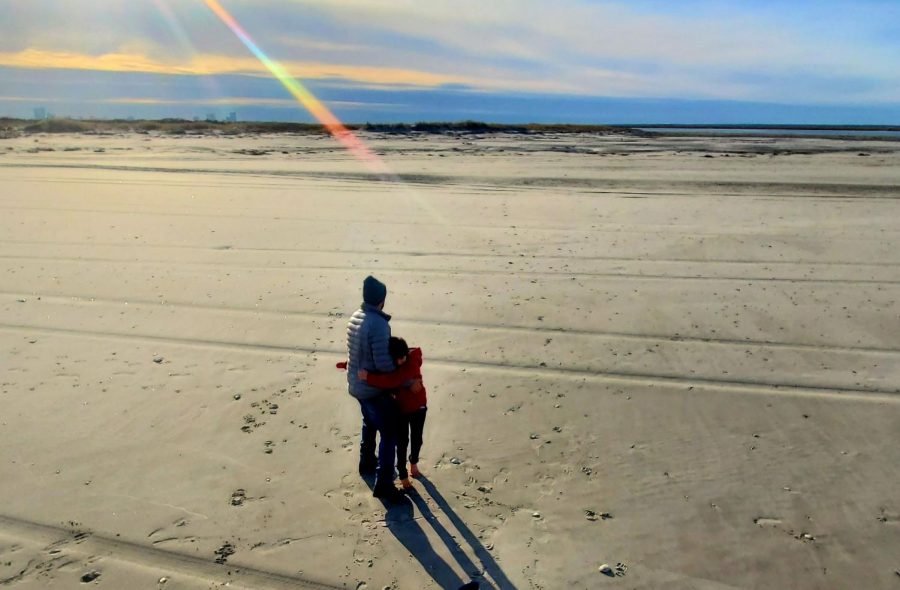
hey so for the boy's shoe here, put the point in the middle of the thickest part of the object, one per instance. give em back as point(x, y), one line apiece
point(414, 470)
point(389, 493)
point(407, 485)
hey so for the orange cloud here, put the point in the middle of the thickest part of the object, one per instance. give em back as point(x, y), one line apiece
point(207, 64)
point(231, 101)
point(210, 101)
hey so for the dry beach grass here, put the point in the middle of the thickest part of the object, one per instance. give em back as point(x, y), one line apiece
point(675, 354)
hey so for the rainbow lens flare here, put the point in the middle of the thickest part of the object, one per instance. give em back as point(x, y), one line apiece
point(312, 104)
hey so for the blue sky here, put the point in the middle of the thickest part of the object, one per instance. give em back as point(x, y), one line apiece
point(579, 61)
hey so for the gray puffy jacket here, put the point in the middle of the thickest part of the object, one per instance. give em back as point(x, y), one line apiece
point(368, 333)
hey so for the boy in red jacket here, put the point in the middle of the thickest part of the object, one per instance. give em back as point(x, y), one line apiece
point(411, 398)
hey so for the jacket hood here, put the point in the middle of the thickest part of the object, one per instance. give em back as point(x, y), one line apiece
point(373, 309)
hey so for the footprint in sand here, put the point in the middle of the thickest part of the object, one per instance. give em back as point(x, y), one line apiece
point(224, 552)
point(238, 497)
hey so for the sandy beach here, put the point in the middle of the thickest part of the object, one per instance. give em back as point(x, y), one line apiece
point(675, 356)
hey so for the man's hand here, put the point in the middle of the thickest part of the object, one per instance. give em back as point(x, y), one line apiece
point(417, 386)
point(362, 374)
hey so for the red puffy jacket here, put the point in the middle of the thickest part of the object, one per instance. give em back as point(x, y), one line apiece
point(409, 400)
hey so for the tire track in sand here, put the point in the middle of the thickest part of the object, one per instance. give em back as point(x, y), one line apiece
point(476, 272)
point(596, 185)
point(80, 299)
point(169, 561)
point(458, 254)
point(631, 378)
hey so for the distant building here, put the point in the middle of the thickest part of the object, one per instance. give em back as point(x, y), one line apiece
point(232, 117)
point(40, 113)
point(211, 117)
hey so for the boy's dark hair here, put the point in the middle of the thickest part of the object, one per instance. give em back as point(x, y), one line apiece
point(397, 348)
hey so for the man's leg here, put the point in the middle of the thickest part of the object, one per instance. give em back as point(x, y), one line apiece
point(386, 423)
point(382, 414)
point(367, 461)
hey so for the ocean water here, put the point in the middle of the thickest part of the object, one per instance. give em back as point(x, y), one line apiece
point(770, 132)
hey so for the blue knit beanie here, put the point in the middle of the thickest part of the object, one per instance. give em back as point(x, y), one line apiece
point(374, 291)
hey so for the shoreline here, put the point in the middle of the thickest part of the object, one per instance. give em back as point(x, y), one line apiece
point(10, 128)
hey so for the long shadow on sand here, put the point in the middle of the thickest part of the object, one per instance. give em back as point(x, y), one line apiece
point(401, 521)
point(488, 563)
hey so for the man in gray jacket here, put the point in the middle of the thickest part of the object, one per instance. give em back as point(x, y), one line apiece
point(368, 333)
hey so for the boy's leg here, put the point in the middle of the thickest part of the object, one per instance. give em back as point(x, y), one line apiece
point(402, 442)
point(416, 428)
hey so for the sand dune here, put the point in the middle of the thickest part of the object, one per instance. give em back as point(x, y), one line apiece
point(683, 366)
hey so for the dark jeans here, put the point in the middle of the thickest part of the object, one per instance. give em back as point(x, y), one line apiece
point(410, 430)
point(380, 414)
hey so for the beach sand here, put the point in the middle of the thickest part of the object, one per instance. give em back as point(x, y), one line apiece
point(675, 356)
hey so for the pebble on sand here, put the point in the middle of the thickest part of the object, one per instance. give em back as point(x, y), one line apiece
point(237, 396)
point(157, 359)
point(455, 461)
point(605, 569)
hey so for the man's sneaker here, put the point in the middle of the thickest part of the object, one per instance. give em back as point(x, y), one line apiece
point(389, 493)
point(414, 470)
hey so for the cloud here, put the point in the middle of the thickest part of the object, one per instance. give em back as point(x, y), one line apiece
point(538, 30)
point(228, 101)
point(762, 50)
point(209, 65)
point(146, 95)
point(222, 64)
point(693, 47)
point(231, 101)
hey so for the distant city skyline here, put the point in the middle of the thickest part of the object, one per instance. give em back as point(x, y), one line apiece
point(571, 61)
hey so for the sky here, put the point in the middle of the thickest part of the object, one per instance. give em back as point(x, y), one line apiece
point(510, 61)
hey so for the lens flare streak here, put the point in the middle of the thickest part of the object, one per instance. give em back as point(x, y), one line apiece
point(312, 104)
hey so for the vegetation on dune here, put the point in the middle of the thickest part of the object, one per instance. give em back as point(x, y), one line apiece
point(481, 127)
point(14, 127)
point(57, 126)
point(10, 128)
